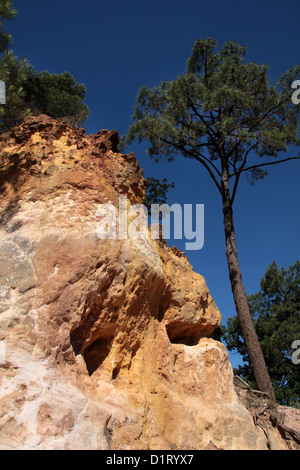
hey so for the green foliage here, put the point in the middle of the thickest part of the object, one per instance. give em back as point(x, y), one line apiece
point(29, 92)
point(276, 313)
point(7, 12)
point(157, 192)
point(220, 112)
point(14, 73)
point(58, 96)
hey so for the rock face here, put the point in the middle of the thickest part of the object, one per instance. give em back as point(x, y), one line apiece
point(104, 344)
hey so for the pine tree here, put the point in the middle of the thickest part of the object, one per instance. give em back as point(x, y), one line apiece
point(58, 96)
point(224, 114)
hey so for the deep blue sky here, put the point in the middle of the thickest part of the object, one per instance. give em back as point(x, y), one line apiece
point(116, 47)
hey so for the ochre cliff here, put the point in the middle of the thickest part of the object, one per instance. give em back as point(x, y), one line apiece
point(104, 344)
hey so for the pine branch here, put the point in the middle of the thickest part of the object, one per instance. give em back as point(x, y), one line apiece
point(269, 163)
point(201, 159)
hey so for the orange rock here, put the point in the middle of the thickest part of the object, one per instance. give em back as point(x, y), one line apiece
point(105, 344)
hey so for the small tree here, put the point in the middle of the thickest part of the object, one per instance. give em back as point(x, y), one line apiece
point(222, 112)
point(29, 92)
point(58, 96)
point(276, 313)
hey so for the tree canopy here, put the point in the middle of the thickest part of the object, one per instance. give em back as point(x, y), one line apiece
point(222, 109)
point(59, 96)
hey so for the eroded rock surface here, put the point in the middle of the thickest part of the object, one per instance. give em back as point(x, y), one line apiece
point(104, 344)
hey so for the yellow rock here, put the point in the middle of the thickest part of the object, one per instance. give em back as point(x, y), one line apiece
point(105, 344)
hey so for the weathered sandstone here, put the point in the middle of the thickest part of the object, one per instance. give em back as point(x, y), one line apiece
point(104, 344)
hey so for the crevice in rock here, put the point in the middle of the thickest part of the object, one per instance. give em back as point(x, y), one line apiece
point(161, 314)
point(96, 350)
point(108, 432)
point(191, 340)
point(164, 305)
point(115, 372)
point(9, 212)
point(189, 336)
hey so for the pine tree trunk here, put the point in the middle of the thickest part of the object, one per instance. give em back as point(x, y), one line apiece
point(253, 347)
